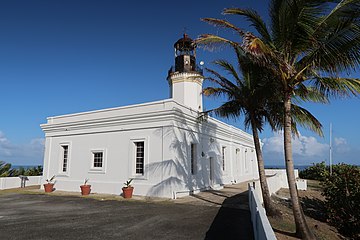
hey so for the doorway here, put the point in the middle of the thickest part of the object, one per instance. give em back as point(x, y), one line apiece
point(211, 172)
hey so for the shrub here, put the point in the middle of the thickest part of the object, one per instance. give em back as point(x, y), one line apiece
point(31, 171)
point(317, 171)
point(342, 193)
point(7, 171)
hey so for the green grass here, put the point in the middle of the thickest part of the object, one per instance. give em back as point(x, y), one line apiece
point(95, 196)
point(27, 190)
point(314, 185)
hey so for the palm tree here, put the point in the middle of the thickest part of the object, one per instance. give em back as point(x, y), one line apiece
point(34, 171)
point(311, 43)
point(248, 95)
point(4, 169)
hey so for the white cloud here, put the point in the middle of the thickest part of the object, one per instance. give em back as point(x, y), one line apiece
point(309, 146)
point(307, 150)
point(303, 145)
point(5, 145)
point(341, 145)
point(30, 153)
point(2, 137)
point(274, 144)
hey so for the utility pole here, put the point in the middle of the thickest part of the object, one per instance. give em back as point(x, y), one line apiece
point(330, 148)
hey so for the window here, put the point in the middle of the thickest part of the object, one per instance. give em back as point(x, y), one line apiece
point(65, 156)
point(246, 160)
point(237, 161)
point(139, 159)
point(98, 159)
point(193, 158)
point(223, 157)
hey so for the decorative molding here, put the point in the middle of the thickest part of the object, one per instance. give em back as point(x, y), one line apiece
point(186, 77)
point(171, 114)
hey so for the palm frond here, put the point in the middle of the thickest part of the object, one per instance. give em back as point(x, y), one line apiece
point(308, 93)
point(344, 9)
point(229, 68)
point(283, 18)
point(255, 46)
point(255, 19)
point(224, 24)
point(230, 109)
point(292, 21)
point(304, 118)
point(336, 86)
point(214, 92)
point(211, 42)
point(337, 49)
point(221, 80)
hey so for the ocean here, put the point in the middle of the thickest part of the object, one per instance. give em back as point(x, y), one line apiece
point(24, 166)
point(299, 167)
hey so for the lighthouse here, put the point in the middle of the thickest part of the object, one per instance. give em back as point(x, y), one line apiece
point(185, 77)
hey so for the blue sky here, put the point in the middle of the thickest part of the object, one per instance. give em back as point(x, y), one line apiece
point(59, 57)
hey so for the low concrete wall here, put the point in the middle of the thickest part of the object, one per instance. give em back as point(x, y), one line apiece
point(301, 184)
point(15, 182)
point(276, 179)
point(261, 225)
point(275, 171)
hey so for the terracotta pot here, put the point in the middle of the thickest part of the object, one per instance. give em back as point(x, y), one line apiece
point(85, 189)
point(49, 187)
point(127, 192)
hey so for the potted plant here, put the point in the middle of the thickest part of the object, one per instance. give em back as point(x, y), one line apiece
point(85, 189)
point(49, 185)
point(128, 189)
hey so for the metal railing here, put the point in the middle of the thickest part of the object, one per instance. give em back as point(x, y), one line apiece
point(197, 69)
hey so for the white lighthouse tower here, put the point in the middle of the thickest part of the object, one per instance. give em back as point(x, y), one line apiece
point(185, 78)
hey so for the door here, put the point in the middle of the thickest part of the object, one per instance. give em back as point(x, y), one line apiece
point(238, 164)
point(211, 171)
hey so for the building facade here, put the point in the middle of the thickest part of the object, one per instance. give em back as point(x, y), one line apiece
point(162, 145)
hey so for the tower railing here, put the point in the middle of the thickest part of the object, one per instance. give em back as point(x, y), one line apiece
point(197, 69)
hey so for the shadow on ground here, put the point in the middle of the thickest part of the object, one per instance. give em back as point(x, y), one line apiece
point(314, 208)
point(286, 233)
point(233, 220)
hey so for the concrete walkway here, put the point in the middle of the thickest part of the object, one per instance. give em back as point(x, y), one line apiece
point(233, 196)
point(59, 215)
point(233, 220)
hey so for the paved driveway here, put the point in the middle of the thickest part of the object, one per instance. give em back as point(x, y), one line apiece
point(40, 216)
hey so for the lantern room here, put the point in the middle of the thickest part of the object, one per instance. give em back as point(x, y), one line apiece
point(185, 55)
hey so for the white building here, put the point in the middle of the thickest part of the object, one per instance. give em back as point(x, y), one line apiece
point(161, 145)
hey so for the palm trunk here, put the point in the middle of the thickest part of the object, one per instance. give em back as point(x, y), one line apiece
point(302, 229)
point(269, 206)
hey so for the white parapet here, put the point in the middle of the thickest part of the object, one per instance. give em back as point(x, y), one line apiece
point(261, 225)
point(277, 179)
point(15, 182)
